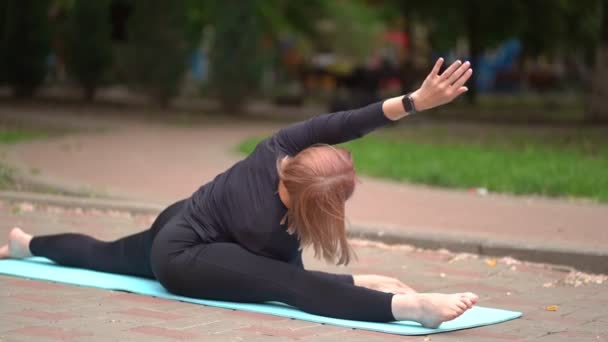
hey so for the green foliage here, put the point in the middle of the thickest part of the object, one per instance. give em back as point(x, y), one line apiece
point(235, 54)
point(155, 57)
point(554, 26)
point(542, 25)
point(356, 28)
point(89, 45)
point(24, 44)
point(197, 17)
point(549, 27)
point(280, 16)
point(527, 168)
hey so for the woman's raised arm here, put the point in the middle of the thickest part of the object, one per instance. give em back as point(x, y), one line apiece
point(436, 90)
point(339, 127)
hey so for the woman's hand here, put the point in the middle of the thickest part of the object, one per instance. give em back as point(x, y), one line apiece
point(382, 283)
point(437, 90)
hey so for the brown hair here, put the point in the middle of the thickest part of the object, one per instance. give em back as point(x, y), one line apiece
point(319, 180)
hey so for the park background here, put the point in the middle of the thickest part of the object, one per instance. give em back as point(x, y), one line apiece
point(112, 109)
point(533, 121)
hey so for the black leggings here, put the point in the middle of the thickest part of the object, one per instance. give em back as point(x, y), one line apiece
point(171, 252)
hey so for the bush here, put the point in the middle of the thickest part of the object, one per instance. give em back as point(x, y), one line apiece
point(89, 44)
point(155, 57)
point(24, 44)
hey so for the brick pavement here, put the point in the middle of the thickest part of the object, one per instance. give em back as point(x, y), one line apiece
point(42, 311)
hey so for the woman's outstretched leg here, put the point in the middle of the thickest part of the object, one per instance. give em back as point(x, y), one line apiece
point(129, 255)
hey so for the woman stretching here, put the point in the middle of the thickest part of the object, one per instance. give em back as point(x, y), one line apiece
point(239, 237)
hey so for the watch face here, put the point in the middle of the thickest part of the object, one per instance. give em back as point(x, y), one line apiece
point(412, 104)
point(407, 104)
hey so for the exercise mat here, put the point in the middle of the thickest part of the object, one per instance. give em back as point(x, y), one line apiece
point(44, 269)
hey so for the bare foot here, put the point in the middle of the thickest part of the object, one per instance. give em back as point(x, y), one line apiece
point(432, 309)
point(18, 245)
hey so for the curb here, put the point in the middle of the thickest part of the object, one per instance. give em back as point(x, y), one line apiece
point(82, 202)
point(587, 260)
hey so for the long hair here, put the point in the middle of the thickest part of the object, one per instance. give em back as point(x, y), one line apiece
point(319, 180)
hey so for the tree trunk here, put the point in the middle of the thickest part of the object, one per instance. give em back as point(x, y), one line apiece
point(598, 99)
point(472, 23)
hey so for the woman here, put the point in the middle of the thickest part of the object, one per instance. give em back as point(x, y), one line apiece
point(239, 237)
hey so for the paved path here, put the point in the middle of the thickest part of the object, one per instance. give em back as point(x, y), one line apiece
point(133, 158)
point(42, 311)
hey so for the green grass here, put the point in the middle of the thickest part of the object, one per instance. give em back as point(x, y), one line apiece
point(517, 163)
point(15, 135)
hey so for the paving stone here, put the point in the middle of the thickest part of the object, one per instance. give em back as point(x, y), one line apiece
point(39, 310)
point(595, 327)
point(213, 327)
point(49, 332)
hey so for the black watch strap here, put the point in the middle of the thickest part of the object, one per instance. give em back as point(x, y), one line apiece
point(408, 104)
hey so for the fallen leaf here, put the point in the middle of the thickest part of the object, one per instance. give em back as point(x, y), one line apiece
point(427, 338)
point(491, 262)
point(552, 308)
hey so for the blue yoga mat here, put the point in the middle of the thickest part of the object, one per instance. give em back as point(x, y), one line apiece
point(44, 269)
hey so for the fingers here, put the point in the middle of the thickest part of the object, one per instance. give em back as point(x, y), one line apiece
point(438, 64)
point(459, 72)
point(463, 79)
point(461, 91)
point(450, 70)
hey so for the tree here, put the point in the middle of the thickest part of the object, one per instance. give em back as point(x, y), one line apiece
point(24, 44)
point(154, 58)
point(598, 99)
point(89, 44)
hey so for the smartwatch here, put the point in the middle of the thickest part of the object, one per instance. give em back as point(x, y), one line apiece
point(408, 104)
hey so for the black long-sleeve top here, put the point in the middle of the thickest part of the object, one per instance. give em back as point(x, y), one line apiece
point(241, 205)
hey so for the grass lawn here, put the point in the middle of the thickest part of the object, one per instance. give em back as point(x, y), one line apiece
point(558, 161)
point(15, 135)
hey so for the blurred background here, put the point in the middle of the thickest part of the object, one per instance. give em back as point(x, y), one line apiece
point(534, 121)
